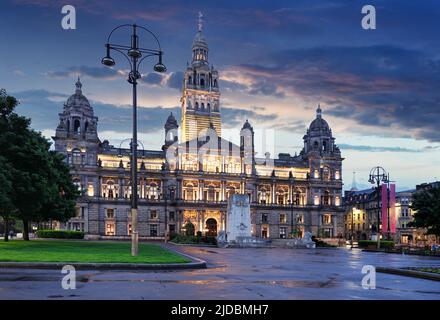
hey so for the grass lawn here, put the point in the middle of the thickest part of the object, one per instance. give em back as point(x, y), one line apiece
point(431, 270)
point(84, 251)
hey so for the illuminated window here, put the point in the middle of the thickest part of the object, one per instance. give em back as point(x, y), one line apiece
point(316, 174)
point(129, 229)
point(316, 200)
point(283, 218)
point(90, 190)
point(337, 175)
point(110, 229)
point(327, 219)
point(153, 214)
point(326, 174)
point(337, 201)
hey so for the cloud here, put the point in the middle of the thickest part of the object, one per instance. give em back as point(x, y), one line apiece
point(382, 86)
point(235, 118)
point(43, 107)
point(92, 72)
point(377, 148)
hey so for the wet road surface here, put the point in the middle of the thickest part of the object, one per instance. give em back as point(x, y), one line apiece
point(237, 274)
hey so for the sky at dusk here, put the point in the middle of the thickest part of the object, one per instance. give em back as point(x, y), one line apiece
point(379, 89)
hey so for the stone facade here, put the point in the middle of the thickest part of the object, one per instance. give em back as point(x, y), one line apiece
point(191, 178)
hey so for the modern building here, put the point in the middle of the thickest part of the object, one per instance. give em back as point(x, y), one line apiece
point(191, 178)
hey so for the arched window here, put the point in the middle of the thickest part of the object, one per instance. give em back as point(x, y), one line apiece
point(324, 145)
point(209, 107)
point(86, 126)
point(297, 198)
point(68, 125)
point(215, 83)
point(77, 126)
point(197, 106)
point(76, 156)
point(202, 82)
point(326, 199)
point(111, 189)
point(190, 80)
point(326, 174)
point(315, 145)
point(203, 106)
point(231, 191)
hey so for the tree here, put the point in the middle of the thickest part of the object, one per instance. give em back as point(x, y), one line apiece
point(6, 205)
point(427, 206)
point(42, 188)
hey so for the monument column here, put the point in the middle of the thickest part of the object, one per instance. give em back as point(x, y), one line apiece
point(202, 227)
point(198, 221)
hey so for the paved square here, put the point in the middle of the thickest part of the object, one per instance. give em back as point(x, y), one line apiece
point(237, 274)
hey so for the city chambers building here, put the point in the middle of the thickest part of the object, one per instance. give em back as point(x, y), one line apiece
point(191, 178)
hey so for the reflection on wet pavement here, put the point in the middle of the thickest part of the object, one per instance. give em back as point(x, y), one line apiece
point(236, 274)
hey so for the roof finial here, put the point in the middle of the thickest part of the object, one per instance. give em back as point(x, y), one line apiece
point(319, 111)
point(200, 23)
point(78, 85)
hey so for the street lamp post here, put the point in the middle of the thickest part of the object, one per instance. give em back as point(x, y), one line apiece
point(134, 56)
point(291, 218)
point(352, 227)
point(378, 175)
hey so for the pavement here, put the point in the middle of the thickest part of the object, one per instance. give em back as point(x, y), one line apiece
point(275, 273)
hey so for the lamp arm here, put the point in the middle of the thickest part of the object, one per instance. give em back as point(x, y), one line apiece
point(154, 36)
point(121, 52)
point(143, 58)
point(114, 29)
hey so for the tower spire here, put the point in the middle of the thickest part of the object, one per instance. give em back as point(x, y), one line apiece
point(200, 22)
point(78, 85)
point(353, 184)
point(319, 111)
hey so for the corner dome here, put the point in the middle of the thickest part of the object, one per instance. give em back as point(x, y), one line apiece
point(78, 100)
point(171, 122)
point(319, 124)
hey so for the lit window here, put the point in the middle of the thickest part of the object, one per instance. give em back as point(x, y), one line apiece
point(316, 174)
point(337, 175)
point(110, 229)
point(337, 201)
point(283, 218)
point(153, 214)
point(90, 190)
point(316, 200)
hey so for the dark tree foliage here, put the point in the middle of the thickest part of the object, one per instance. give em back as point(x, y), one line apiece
point(42, 188)
point(427, 206)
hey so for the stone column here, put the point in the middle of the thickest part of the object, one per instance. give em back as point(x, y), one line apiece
point(335, 225)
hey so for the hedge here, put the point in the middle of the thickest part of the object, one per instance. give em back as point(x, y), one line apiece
point(60, 234)
point(384, 244)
